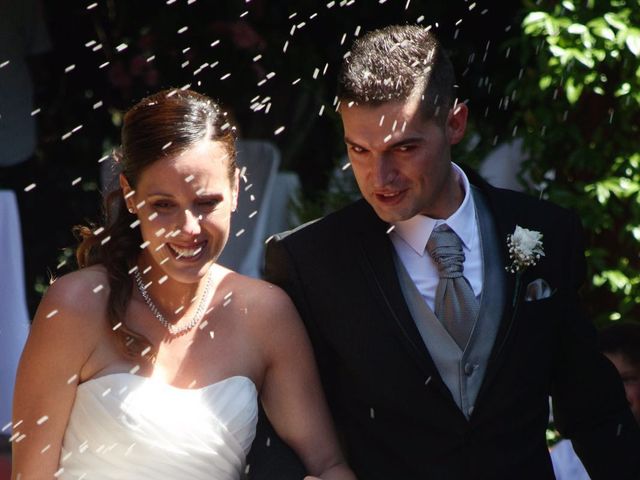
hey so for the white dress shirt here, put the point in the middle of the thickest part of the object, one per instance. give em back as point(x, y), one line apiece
point(410, 238)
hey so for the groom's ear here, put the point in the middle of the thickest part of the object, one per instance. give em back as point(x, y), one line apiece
point(456, 123)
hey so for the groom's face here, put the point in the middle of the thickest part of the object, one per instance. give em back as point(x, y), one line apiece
point(402, 161)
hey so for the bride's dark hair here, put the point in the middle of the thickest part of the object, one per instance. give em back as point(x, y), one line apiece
point(162, 125)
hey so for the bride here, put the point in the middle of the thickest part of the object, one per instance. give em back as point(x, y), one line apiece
point(147, 362)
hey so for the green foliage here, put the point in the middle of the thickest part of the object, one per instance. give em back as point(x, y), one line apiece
point(578, 102)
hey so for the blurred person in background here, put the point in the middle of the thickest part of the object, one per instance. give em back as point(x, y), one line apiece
point(620, 343)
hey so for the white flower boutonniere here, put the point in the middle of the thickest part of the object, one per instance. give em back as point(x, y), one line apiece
point(525, 249)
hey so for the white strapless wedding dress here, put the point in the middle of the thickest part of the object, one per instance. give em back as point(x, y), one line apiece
point(124, 426)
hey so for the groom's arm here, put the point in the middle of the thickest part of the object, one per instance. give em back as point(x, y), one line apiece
point(590, 406)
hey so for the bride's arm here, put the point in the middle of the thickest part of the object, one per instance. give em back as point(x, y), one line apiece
point(59, 343)
point(291, 392)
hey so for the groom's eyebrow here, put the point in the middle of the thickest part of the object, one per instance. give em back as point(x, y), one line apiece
point(404, 141)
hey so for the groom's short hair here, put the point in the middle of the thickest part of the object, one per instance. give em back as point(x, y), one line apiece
point(394, 63)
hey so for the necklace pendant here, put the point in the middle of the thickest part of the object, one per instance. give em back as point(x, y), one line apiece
point(171, 328)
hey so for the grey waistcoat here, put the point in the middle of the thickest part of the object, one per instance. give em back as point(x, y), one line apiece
point(463, 371)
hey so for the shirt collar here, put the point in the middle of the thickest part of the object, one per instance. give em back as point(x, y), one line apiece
point(417, 230)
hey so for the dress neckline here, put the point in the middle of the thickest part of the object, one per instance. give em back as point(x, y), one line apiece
point(168, 385)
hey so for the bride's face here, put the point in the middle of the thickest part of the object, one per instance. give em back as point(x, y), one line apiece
point(184, 205)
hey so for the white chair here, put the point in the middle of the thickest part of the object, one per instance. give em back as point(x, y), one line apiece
point(14, 320)
point(501, 166)
point(259, 161)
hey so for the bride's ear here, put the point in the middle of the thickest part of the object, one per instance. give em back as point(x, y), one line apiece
point(127, 193)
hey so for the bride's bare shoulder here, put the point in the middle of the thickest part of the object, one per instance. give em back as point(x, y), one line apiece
point(262, 301)
point(78, 295)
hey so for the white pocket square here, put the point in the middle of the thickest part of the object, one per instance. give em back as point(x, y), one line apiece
point(537, 290)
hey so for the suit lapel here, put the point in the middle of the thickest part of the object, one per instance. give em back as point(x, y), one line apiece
point(505, 221)
point(380, 273)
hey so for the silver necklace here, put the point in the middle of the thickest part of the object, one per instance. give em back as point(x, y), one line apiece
point(173, 330)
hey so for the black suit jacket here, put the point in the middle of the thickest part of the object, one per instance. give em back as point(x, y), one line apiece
point(394, 413)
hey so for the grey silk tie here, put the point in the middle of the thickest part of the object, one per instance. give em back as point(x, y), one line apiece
point(456, 305)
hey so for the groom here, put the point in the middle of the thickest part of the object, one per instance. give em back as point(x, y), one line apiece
point(438, 342)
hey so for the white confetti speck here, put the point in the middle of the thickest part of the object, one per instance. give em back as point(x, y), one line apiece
point(52, 313)
point(72, 379)
point(69, 68)
point(279, 130)
point(42, 419)
point(30, 187)
point(121, 47)
point(98, 288)
point(93, 5)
